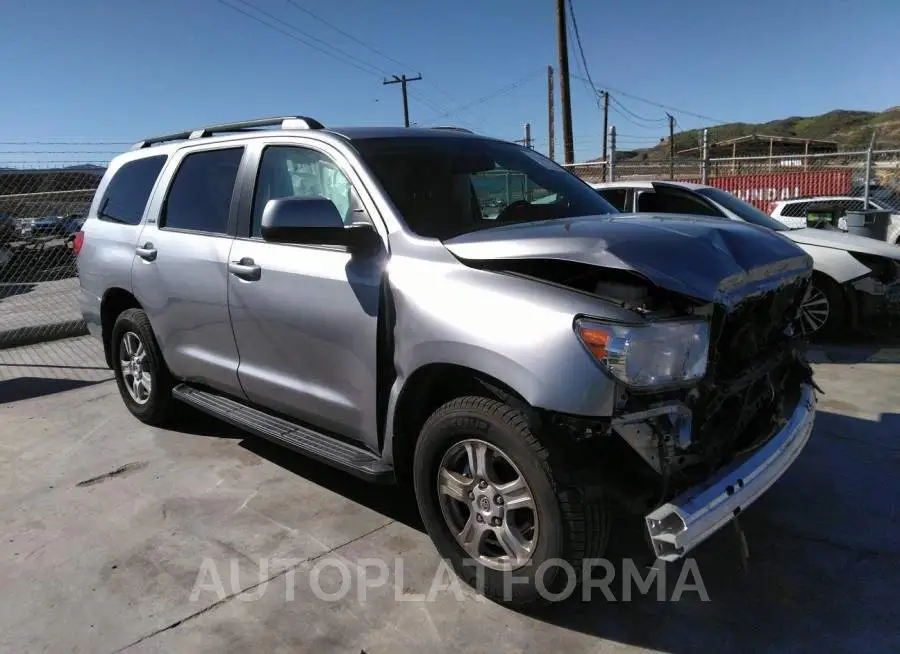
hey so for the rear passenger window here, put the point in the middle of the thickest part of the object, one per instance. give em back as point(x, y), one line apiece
point(129, 190)
point(794, 209)
point(200, 195)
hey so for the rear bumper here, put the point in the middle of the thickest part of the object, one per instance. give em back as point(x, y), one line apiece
point(89, 304)
point(680, 525)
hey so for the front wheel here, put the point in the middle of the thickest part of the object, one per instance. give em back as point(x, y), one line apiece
point(493, 505)
point(822, 312)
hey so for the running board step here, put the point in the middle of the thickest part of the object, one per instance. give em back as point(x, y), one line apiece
point(304, 440)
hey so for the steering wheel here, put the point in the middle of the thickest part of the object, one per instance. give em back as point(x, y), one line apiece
point(511, 209)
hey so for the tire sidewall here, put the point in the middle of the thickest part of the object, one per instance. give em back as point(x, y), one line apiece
point(134, 320)
point(437, 437)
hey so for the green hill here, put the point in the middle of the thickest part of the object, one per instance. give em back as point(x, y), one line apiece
point(851, 129)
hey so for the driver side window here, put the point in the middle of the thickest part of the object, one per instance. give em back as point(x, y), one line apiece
point(291, 171)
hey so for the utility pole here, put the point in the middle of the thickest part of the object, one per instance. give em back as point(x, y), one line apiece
point(704, 161)
point(605, 121)
point(565, 100)
point(671, 145)
point(527, 142)
point(868, 178)
point(402, 80)
point(610, 165)
point(551, 119)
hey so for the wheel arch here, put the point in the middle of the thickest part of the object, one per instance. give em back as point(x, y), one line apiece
point(428, 388)
point(115, 301)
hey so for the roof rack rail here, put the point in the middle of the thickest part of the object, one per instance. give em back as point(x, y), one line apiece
point(454, 128)
point(284, 122)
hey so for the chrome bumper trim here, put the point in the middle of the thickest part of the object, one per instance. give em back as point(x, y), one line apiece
point(678, 526)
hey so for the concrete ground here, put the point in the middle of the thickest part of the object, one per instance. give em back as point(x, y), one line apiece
point(107, 525)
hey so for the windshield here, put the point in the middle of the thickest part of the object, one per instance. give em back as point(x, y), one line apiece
point(444, 187)
point(743, 210)
point(888, 201)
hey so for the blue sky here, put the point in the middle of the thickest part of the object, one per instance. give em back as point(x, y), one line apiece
point(88, 71)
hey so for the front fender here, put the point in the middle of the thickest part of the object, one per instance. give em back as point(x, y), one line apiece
point(837, 264)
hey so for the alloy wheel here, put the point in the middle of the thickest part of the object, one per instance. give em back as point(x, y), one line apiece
point(135, 374)
point(814, 310)
point(487, 505)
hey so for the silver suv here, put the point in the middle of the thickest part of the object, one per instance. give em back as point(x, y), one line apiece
point(460, 312)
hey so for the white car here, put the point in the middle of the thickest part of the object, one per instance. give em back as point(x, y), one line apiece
point(854, 277)
point(793, 212)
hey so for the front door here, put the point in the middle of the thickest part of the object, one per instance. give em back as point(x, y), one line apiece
point(306, 318)
point(179, 274)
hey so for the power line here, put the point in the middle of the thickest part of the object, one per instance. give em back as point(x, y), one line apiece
point(368, 46)
point(634, 115)
point(628, 119)
point(337, 29)
point(293, 32)
point(349, 60)
point(664, 106)
point(490, 96)
point(584, 64)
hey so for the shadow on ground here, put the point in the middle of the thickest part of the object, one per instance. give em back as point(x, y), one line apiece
point(822, 573)
point(395, 502)
point(25, 388)
point(11, 290)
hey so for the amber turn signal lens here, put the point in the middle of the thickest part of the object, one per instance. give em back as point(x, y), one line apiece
point(595, 339)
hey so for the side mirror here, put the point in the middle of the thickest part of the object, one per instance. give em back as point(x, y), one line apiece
point(302, 220)
point(315, 221)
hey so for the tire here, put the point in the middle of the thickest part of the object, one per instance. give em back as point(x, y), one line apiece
point(156, 407)
point(567, 528)
point(824, 295)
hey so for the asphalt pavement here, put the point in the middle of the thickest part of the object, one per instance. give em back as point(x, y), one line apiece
point(115, 536)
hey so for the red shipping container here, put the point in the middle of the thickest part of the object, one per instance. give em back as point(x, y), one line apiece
point(763, 189)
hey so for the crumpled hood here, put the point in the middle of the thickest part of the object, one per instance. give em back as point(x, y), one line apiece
point(827, 238)
point(709, 259)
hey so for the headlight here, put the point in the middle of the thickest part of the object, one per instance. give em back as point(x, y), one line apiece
point(883, 269)
point(653, 354)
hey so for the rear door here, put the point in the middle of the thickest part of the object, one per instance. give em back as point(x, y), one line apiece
point(180, 271)
point(306, 321)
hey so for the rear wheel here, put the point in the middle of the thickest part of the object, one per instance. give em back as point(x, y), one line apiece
point(495, 507)
point(823, 310)
point(141, 374)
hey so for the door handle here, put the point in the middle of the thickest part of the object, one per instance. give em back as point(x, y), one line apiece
point(245, 269)
point(146, 252)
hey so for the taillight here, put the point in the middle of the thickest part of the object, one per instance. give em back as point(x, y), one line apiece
point(77, 242)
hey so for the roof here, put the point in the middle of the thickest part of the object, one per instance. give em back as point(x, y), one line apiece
point(769, 138)
point(648, 183)
point(400, 132)
point(294, 126)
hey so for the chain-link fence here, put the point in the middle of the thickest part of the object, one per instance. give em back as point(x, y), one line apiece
point(41, 209)
point(786, 182)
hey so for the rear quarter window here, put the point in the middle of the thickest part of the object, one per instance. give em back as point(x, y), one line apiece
point(129, 190)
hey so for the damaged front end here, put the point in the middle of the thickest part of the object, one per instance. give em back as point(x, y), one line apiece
point(713, 397)
point(690, 450)
point(757, 389)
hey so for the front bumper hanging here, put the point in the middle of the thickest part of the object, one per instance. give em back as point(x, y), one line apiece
point(678, 526)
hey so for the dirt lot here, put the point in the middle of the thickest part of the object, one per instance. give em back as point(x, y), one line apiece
point(106, 525)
